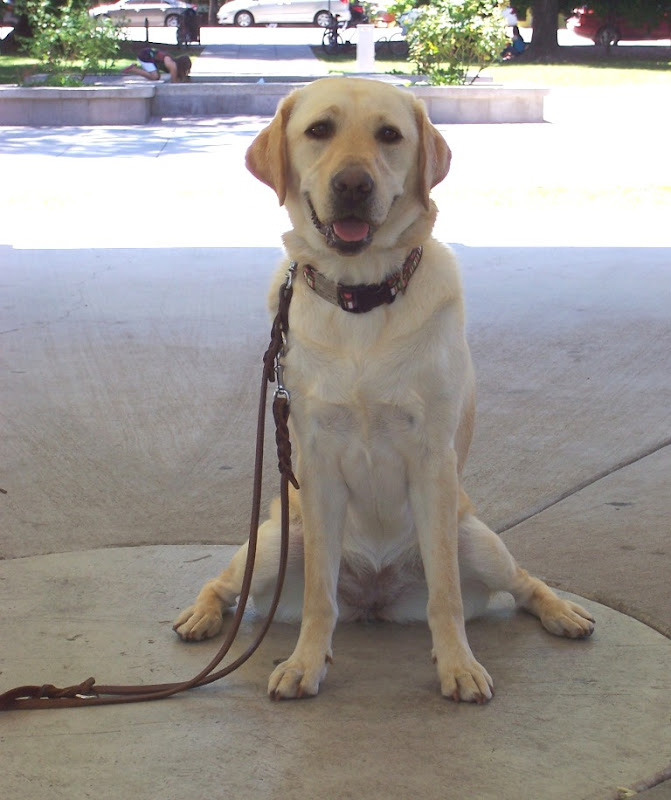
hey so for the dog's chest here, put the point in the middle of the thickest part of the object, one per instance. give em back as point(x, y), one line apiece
point(361, 388)
point(359, 416)
point(358, 401)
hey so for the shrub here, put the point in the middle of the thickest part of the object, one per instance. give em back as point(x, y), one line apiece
point(448, 37)
point(68, 42)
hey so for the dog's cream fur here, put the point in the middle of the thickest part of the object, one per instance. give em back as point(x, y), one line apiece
point(382, 403)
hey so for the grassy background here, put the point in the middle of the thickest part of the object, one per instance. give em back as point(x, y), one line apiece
point(612, 73)
point(576, 66)
point(13, 68)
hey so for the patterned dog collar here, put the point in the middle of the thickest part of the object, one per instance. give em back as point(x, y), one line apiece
point(363, 297)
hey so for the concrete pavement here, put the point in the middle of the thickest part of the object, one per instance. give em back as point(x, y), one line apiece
point(134, 274)
point(259, 51)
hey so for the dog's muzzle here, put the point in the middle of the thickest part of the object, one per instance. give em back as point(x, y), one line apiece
point(352, 190)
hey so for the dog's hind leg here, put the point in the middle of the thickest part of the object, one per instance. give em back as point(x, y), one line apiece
point(205, 618)
point(485, 560)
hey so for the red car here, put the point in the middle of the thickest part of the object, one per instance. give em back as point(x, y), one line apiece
point(585, 22)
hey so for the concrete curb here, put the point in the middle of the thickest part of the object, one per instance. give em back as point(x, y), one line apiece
point(482, 104)
point(75, 105)
point(212, 99)
point(136, 104)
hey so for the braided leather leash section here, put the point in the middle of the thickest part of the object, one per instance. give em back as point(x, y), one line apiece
point(87, 693)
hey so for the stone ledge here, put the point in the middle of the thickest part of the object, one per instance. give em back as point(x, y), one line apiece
point(486, 103)
point(136, 104)
point(75, 105)
point(483, 103)
point(214, 99)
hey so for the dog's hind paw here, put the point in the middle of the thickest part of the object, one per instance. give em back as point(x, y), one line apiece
point(198, 622)
point(564, 618)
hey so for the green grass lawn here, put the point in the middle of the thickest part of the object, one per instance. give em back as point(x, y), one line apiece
point(615, 73)
point(612, 70)
point(14, 68)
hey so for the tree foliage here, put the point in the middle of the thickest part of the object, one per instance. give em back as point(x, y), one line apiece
point(447, 38)
point(67, 41)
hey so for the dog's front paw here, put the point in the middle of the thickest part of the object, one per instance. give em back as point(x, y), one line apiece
point(200, 621)
point(564, 618)
point(465, 680)
point(297, 677)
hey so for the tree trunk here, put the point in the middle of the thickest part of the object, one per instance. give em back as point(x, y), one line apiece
point(212, 14)
point(544, 46)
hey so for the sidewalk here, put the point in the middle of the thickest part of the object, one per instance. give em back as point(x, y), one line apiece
point(254, 51)
point(271, 59)
point(132, 346)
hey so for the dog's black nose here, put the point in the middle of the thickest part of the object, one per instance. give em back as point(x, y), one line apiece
point(352, 185)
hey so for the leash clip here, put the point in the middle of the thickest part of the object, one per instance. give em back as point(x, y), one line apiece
point(291, 271)
point(281, 390)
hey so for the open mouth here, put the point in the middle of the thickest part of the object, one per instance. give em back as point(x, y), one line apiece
point(348, 235)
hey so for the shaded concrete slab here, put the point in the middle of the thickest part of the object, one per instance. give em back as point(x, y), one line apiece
point(133, 374)
point(660, 792)
point(566, 721)
point(137, 428)
point(573, 377)
point(625, 513)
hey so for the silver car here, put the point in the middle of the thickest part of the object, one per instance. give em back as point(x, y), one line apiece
point(249, 12)
point(135, 12)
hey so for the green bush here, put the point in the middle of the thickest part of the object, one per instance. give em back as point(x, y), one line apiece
point(68, 42)
point(450, 37)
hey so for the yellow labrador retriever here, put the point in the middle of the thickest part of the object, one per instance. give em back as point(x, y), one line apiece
point(382, 398)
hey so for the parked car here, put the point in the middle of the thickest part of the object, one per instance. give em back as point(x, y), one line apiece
point(135, 12)
point(249, 12)
point(611, 30)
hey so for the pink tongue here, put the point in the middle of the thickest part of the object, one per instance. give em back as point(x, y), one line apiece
point(351, 229)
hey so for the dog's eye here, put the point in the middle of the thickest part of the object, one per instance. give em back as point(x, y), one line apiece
point(388, 134)
point(319, 130)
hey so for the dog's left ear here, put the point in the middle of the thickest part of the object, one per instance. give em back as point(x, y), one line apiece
point(434, 154)
point(267, 157)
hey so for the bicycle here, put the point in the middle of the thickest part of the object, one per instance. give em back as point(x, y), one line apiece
point(332, 41)
point(396, 44)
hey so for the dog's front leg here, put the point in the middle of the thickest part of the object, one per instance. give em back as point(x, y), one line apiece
point(323, 508)
point(434, 498)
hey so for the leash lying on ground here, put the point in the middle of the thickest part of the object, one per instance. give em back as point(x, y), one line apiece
point(87, 693)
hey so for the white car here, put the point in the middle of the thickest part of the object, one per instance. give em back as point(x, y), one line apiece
point(250, 12)
point(135, 12)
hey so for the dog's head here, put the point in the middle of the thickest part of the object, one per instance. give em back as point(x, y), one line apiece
point(353, 160)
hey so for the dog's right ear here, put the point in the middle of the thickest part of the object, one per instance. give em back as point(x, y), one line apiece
point(267, 157)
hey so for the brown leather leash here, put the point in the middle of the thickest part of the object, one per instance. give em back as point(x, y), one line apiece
point(88, 693)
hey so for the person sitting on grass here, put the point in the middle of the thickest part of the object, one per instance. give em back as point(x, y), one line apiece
point(516, 47)
point(152, 62)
